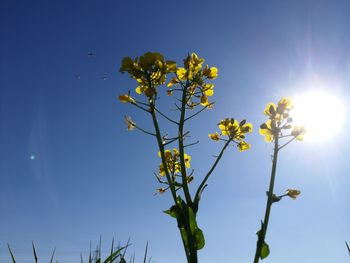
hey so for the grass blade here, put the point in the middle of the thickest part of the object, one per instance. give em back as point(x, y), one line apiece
point(34, 252)
point(12, 257)
point(112, 248)
point(53, 253)
point(90, 259)
point(145, 257)
point(114, 255)
point(126, 247)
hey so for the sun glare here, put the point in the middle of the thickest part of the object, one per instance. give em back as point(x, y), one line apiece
point(320, 113)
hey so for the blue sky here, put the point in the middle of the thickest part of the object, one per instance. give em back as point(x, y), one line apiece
point(91, 177)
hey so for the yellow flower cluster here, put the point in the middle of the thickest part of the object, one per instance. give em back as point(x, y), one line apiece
point(149, 71)
point(279, 120)
point(172, 159)
point(195, 75)
point(235, 131)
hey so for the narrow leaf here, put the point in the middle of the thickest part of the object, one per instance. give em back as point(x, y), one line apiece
point(34, 252)
point(145, 257)
point(114, 255)
point(12, 257)
point(53, 253)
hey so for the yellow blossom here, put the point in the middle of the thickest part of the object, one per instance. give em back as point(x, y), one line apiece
point(270, 109)
point(298, 132)
point(181, 73)
point(266, 131)
point(187, 160)
point(292, 193)
point(214, 136)
point(243, 146)
point(204, 100)
point(172, 82)
point(193, 63)
point(125, 98)
point(210, 73)
point(285, 104)
point(208, 89)
point(172, 160)
point(149, 70)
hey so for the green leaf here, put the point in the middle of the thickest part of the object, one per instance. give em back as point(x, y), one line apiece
point(265, 251)
point(171, 211)
point(195, 230)
point(200, 241)
point(114, 255)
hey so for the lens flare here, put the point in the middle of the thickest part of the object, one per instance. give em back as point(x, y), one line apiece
point(320, 113)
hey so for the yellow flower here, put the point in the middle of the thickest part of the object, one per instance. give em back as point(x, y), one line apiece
point(210, 73)
point(265, 130)
point(230, 127)
point(284, 104)
point(161, 170)
point(193, 63)
point(204, 100)
point(140, 89)
point(172, 160)
point(149, 70)
point(270, 109)
point(187, 160)
point(292, 193)
point(246, 127)
point(125, 98)
point(208, 89)
point(243, 146)
point(181, 73)
point(172, 82)
point(170, 66)
point(214, 136)
point(298, 132)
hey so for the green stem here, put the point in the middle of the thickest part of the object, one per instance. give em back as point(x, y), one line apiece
point(262, 233)
point(181, 147)
point(167, 174)
point(202, 185)
point(192, 249)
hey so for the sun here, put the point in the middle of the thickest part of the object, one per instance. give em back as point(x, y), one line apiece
point(321, 114)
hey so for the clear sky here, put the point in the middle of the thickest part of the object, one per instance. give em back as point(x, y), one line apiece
point(91, 177)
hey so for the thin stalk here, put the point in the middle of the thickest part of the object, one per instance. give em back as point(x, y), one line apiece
point(190, 238)
point(181, 147)
point(262, 233)
point(167, 174)
point(203, 183)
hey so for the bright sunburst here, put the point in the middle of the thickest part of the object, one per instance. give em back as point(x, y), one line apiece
point(322, 115)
